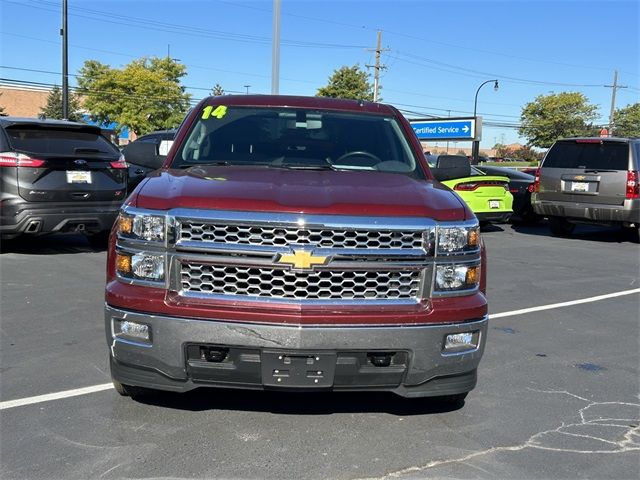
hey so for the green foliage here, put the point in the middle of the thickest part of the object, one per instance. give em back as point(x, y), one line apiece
point(217, 90)
point(145, 95)
point(626, 121)
point(554, 116)
point(53, 108)
point(348, 82)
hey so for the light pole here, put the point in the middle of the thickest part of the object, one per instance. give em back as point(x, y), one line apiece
point(476, 144)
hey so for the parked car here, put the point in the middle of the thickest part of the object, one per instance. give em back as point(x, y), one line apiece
point(487, 195)
point(520, 186)
point(142, 165)
point(589, 180)
point(295, 243)
point(58, 176)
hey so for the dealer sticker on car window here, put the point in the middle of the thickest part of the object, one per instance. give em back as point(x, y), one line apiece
point(78, 176)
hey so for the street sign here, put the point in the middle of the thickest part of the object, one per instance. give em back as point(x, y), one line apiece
point(447, 129)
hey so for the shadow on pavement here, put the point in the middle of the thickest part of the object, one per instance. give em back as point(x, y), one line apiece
point(294, 403)
point(51, 245)
point(594, 233)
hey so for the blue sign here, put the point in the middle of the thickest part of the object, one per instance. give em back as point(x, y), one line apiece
point(439, 129)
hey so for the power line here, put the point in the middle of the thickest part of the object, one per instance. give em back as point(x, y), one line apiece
point(138, 22)
point(477, 73)
point(427, 40)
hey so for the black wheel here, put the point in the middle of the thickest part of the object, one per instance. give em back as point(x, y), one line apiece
point(120, 388)
point(561, 227)
point(99, 240)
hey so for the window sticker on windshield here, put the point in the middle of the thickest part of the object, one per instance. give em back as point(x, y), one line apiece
point(219, 112)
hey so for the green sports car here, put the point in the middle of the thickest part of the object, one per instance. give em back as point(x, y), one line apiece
point(487, 195)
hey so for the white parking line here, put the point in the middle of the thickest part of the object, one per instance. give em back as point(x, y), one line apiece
point(513, 313)
point(21, 402)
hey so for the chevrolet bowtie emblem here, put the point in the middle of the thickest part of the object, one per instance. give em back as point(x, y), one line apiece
point(301, 260)
point(579, 177)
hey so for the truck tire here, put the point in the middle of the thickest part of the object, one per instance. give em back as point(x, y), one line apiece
point(560, 227)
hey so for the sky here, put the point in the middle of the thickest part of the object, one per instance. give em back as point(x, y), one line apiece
point(436, 53)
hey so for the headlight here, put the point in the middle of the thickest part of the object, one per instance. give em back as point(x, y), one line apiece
point(456, 277)
point(143, 227)
point(140, 266)
point(458, 239)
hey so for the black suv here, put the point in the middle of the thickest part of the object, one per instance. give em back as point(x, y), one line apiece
point(142, 165)
point(58, 176)
point(589, 180)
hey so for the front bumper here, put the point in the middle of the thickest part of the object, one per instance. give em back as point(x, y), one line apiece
point(419, 367)
point(48, 217)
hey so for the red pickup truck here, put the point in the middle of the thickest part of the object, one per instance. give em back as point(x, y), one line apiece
point(295, 243)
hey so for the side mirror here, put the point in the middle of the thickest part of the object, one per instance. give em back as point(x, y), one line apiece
point(144, 154)
point(450, 167)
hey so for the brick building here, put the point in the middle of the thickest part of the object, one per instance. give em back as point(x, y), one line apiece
point(22, 100)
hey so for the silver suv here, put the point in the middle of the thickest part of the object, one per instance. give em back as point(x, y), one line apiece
point(589, 180)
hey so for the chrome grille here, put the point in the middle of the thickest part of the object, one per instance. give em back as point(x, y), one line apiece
point(275, 283)
point(285, 236)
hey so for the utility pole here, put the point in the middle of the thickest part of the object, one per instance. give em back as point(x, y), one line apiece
point(377, 67)
point(613, 88)
point(65, 63)
point(275, 50)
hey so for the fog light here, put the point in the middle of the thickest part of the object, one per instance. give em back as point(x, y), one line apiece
point(456, 342)
point(127, 328)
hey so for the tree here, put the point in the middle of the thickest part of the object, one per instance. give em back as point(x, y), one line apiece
point(145, 95)
point(626, 121)
point(53, 108)
point(348, 82)
point(217, 90)
point(554, 116)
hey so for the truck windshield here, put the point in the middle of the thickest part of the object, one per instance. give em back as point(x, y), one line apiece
point(297, 138)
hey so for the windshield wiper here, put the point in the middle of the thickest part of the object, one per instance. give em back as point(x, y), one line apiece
point(208, 164)
point(598, 170)
point(303, 167)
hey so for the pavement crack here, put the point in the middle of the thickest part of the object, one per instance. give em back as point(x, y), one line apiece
point(613, 438)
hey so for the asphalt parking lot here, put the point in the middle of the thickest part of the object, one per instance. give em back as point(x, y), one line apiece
point(557, 395)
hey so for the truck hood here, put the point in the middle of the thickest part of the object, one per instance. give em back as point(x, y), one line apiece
point(299, 191)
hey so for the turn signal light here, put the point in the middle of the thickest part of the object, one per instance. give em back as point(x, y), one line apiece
point(125, 224)
point(123, 263)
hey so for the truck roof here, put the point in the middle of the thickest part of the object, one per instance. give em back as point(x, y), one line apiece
point(324, 103)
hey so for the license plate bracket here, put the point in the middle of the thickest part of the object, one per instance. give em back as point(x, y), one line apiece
point(298, 369)
point(78, 176)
